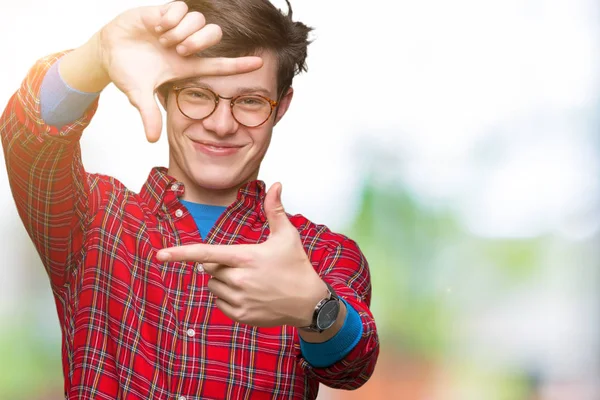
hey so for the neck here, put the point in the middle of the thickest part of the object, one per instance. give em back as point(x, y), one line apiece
point(213, 197)
point(207, 195)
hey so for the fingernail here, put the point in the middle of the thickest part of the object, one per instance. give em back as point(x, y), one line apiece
point(162, 40)
point(181, 49)
point(158, 29)
point(163, 256)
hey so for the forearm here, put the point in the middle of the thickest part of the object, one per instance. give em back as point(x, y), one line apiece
point(47, 179)
point(316, 337)
point(82, 68)
point(60, 104)
point(358, 362)
point(348, 359)
point(338, 346)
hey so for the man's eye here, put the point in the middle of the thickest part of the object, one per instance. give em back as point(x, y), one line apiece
point(198, 94)
point(251, 101)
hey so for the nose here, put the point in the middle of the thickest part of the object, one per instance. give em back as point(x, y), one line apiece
point(221, 121)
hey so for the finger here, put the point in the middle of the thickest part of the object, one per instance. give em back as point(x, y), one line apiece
point(276, 215)
point(226, 308)
point(146, 104)
point(200, 40)
point(152, 15)
point(192, 22)
point(234, 256)
point(201, 66)
point(172, 14)
point(232, 277)
point(224, 292)
point(213, 269)
point(165, 7)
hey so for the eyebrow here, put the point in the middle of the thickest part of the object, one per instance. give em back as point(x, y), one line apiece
point(239, 91)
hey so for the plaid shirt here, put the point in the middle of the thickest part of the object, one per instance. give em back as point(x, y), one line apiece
point(135, 328)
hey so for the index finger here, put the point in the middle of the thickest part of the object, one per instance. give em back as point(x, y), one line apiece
point(161, 18)
point(202, 66)
point(231, 255)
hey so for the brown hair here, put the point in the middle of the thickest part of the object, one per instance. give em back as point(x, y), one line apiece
point(251, 26)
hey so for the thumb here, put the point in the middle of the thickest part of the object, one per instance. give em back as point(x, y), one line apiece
point(274, 210)
point(146, 104)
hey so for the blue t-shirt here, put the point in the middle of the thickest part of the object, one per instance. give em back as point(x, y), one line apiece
point(205, 215)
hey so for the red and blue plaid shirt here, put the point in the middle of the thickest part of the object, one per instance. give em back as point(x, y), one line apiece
point(135, 328)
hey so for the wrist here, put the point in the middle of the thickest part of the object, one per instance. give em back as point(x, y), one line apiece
point(320, 337)
point(82, 69)
point(317, 292)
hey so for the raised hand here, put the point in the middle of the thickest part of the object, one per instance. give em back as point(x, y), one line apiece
point(145, 47)
point(267, 284)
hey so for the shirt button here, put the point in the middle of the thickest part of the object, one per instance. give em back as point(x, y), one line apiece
point(178, 213)
point(175, 187)
point(191, 332)
point(199, 268)
point(181, 398)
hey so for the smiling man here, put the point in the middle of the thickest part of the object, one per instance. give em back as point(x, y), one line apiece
point(200, 286)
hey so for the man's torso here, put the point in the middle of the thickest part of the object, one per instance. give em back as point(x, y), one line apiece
point(136, 328)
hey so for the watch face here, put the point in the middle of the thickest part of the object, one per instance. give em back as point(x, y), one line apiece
point(328, 314)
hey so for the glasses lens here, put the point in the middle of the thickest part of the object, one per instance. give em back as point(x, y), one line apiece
point(196, 103)
point(251, 110)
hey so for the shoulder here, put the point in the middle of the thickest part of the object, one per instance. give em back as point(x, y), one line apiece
point(111, 193)
point(107, 185)
point(319, 238)
point(336, 256)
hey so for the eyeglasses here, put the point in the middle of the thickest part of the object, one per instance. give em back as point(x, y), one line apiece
point(198, 103)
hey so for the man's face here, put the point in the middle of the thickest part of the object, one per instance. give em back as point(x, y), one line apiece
point(217, 153)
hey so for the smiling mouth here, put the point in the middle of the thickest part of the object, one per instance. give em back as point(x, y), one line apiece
point(217, 149)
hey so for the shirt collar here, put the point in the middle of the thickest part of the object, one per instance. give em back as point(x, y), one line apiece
point(160, 187)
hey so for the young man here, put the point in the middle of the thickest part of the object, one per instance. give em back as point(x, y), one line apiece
point(200, 286)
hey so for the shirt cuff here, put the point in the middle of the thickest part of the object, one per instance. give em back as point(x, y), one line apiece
point(59, 103)
point(321, 355)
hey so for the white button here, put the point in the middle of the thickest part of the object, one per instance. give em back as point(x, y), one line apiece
point(174, 187)
point(178, 213)
point(182, 398)
point(199, 268)
point(191, 332)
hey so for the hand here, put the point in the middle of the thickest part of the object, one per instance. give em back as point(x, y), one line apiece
point(145, 47)
point(267, 284)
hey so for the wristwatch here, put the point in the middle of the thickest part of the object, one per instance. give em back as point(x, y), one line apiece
point(326, 312)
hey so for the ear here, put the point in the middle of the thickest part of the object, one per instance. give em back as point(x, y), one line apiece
point(284, 104)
